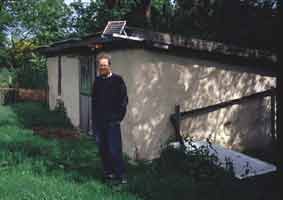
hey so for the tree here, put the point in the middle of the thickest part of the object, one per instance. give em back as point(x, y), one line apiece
point(32, 23)
point(92, 17)
point(40, 20)
point(142, 9)
point(111, 3)
point(5, 20)
point(24, 25)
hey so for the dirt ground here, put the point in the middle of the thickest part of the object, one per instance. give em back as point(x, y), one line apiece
point(59, 133)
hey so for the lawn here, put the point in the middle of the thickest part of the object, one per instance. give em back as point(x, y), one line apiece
point(38, 162)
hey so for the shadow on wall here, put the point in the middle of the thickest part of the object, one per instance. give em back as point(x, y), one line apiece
point(239, 127)
point(157, 82)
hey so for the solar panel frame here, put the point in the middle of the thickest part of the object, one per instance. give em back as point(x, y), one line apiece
point(114, 27)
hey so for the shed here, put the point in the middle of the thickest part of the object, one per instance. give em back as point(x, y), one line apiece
point(162, 70)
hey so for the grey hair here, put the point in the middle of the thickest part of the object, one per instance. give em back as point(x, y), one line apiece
point(104, 56)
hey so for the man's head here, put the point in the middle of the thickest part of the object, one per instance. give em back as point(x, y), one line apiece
point(104, 64)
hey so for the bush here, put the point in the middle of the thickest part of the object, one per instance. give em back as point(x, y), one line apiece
point(32, 114)
point(7, 77)
point(33, 75)
point(198, 164)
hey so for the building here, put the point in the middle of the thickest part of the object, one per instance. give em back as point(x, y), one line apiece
point(161, 71)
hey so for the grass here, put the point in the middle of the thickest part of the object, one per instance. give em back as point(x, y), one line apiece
point(32, 167)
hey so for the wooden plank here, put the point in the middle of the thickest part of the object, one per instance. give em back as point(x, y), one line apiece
point(218, 106)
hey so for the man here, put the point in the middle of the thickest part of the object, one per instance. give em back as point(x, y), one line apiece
point(109, 105)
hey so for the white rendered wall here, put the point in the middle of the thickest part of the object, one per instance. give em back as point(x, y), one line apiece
point(69, 84)
point(157, 82)
point(70, 88)
point(52, 66)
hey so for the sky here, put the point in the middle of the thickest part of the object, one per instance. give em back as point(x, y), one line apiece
point(70, 1)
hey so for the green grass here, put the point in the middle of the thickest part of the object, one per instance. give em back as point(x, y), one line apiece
point(8, 117)
point(32, 167)
point(22, 182)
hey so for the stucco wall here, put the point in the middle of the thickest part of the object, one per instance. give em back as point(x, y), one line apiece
point(70, 85)
point(70, 88)
point(157, 82)
point(52, 65)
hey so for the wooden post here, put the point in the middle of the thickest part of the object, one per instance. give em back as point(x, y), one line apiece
point(279, 125)
point(273, 123)
point(178, 125)
point(279, 98)
point(59, 75)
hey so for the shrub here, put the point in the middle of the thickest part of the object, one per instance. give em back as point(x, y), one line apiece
point(7, 77)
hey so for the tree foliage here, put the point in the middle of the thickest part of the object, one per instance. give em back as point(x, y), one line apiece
point(26, 24)
point(92, 17)
point(249, 23)
point(41, 20)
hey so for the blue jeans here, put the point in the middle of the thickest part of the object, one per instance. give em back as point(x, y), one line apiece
point(109, 140)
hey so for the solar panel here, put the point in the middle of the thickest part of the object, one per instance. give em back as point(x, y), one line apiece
point(116, 27)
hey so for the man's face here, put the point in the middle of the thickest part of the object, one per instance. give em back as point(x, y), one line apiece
point(104, 67)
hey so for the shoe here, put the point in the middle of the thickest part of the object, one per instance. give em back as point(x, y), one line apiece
point(109, 177)
point(121, 181)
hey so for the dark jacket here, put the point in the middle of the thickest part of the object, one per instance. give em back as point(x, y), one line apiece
point(109, 100)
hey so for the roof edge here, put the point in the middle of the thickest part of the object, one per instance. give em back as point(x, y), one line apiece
point(159, 39)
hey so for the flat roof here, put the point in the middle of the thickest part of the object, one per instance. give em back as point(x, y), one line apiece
point(163, 41)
